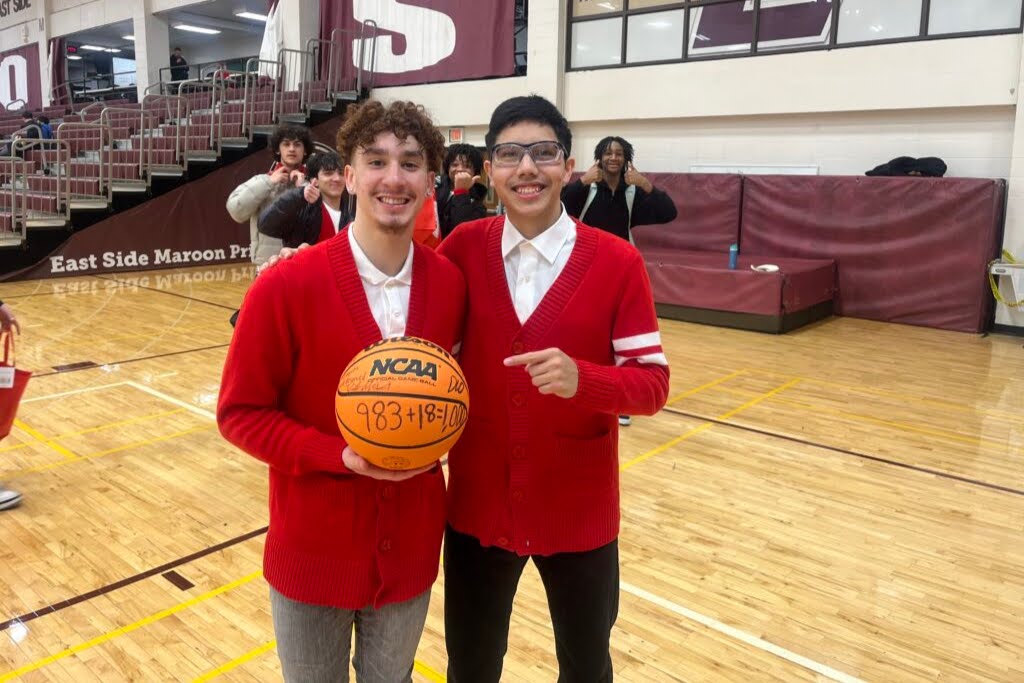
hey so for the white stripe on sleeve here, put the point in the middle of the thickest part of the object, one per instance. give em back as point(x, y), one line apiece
point(639, 341)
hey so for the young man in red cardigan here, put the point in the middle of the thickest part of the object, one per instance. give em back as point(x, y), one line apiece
point(561, 338)
point(349, 544)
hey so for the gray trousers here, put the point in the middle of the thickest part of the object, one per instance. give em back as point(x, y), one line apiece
point(314, 642)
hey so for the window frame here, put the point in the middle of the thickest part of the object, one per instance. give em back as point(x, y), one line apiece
point(690, 5)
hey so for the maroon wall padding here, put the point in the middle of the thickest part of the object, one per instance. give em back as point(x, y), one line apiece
point(709, 212)
point(703, 280)
point(908, 250)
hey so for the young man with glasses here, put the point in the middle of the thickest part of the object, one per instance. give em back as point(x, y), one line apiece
point(561, 337)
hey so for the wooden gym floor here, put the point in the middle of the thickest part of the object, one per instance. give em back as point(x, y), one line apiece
point(845, 502)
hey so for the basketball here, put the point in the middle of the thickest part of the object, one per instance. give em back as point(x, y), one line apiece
point(402, 403)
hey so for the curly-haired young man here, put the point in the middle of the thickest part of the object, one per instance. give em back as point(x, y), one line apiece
point(349, 545)
point(292, 145)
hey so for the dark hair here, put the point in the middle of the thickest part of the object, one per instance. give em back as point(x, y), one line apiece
point(291, 132)
point(364, 122)
point(26, 114)
point(323, 161)
point(468, 152)
point(177, 49)
point(602, 147)
point(44, 119)
point(532, 108)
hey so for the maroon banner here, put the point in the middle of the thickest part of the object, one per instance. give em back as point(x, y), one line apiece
point(19, 77)
point(426, 41)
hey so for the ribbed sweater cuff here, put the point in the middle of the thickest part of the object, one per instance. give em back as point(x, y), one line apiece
point(322, 453)
point(598, 389)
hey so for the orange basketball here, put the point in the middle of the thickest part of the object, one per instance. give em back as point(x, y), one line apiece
point(402, 403)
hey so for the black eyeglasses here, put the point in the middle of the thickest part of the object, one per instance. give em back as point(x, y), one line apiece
point(544, 153)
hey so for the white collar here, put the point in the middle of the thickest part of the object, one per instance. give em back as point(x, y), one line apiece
point(548, 243)
point(371, 273)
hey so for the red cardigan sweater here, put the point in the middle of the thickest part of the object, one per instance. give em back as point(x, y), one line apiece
point(539, 474)
point(336, 538)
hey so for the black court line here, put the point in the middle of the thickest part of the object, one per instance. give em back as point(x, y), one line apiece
point(164, 291)
point(131, 360)
point(844, 451)
point(58, 606)
point(178, 581)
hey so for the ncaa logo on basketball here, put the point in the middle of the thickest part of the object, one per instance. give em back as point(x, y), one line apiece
point(404, 366)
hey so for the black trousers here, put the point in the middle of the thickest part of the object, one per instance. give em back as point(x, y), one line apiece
point(480, 584)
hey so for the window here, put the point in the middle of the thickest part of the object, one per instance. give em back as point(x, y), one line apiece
point(871, 20)
point(655, 36)
point(606, 33)
point(597, 43)
point(957, 16)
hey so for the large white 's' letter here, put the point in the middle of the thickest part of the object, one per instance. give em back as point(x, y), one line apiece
point(429, 36)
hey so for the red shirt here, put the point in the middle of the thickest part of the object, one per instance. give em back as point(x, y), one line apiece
point(327, 229)
point(539, 474)
point(336, 538)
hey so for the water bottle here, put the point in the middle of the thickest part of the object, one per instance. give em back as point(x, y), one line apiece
point(734, 252)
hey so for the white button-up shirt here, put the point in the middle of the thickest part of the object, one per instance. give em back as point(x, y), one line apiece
point(388, 296)
point(532, 266)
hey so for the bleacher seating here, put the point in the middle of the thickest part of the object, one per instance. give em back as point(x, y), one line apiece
point(104, 147)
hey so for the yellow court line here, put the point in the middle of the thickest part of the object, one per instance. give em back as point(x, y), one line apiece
point(137, 444)
point(99, 640)
point(763, 397)
point(702, 387)
point(704, 426)
point(1015, 417)
point(235, 663)
point(665, 446)
point(122, 423)
point(430, 674)
point(68, 455)
point(6, 449)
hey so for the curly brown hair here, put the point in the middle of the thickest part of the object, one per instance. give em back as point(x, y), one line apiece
point(364, 122)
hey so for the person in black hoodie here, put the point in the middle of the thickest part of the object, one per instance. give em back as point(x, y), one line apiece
point(311, 213)
point(460, 196)
point(613, 196)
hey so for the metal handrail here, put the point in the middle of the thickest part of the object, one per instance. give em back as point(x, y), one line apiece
point(70, 92)
point(13, 161)
point(367, 33)
point(200, 66)
point(63, 163)
point(106, 138)
point(304, 59)
point(253, 76)
point(180, 113)
point(143, 128)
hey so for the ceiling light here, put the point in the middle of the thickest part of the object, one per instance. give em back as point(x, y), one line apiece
point(94, 48)
point(74, 58)
point(113, 49)
point(197, 29)
point(660, 23)
point(251, 15)
point(131, 38)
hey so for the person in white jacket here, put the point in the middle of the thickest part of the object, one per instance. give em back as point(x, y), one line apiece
point(292, 145)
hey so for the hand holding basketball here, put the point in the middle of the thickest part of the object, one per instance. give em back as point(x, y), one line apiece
point(552, 371)
point(401, 403)
point(361, 465)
